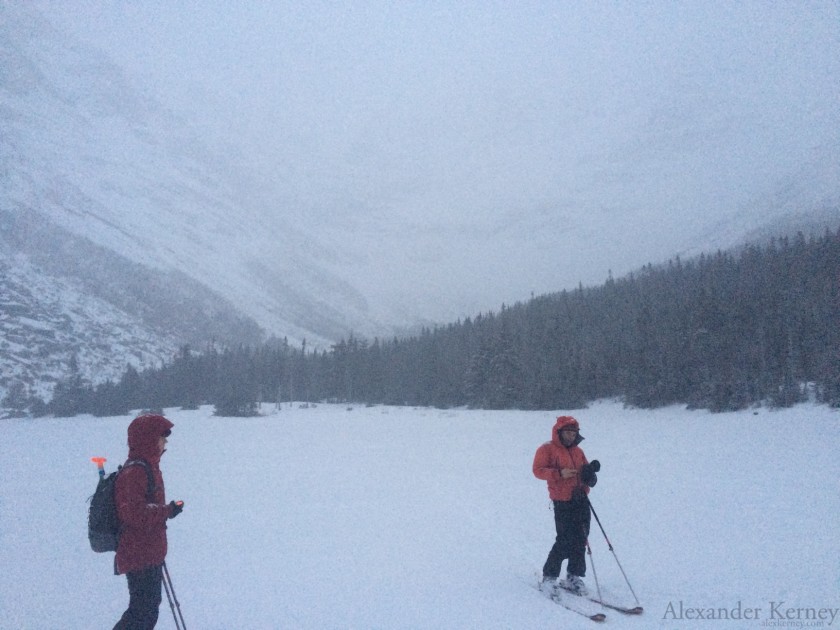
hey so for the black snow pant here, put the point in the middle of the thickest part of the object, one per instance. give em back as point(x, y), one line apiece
point(144, 595)
point(571, 520)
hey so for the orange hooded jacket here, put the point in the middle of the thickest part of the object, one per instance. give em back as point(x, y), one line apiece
point(552, 457)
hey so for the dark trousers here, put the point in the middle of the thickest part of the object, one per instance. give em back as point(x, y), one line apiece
point(571, 520)
point(144, 595)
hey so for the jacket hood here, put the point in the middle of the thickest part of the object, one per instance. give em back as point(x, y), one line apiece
point(143, 434)
point(565, 422)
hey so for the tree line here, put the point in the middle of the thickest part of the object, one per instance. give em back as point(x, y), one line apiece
point(724, 331)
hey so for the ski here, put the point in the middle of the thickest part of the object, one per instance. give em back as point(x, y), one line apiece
point(557, 599)
point(599, 617)
point(626, 610)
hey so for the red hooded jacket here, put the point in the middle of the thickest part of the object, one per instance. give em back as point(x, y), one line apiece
point(142, 520)
point(552, 457)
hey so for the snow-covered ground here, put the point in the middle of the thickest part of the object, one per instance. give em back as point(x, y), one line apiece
point(383, 517)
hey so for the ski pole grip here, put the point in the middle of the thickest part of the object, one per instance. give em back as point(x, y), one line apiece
point(100, 464)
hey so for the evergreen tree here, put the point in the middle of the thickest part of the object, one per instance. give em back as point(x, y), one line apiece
point(721, 332)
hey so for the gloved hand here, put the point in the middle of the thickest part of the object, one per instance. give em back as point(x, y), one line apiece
point(587, 473)
point(175, 508)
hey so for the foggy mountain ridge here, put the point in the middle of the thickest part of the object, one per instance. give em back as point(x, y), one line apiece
point(92, 156)
point(124, 232)
point(123, 235)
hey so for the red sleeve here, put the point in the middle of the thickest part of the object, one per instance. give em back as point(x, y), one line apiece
point(132, 507)
point(543, 468)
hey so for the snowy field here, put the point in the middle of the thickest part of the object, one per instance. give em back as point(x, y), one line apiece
point(384, 517)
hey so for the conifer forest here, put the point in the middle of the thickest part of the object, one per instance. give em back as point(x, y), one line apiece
point(722, 332)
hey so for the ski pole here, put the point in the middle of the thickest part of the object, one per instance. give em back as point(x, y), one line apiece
point(609, 544)
point(170, 595)
point(594, 572)
point(169, 599)
point(100, 464)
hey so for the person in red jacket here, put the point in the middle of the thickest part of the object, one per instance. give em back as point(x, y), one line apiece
point(562, 463)
point(143, 512)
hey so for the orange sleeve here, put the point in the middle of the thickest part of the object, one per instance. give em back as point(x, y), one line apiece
point(543, 468)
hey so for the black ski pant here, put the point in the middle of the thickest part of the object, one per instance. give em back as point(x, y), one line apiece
point(571, 520)
point(144, 595)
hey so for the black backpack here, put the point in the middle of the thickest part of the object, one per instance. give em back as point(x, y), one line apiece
point(103, 524)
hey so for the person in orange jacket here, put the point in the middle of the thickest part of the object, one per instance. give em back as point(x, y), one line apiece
point(563, 464)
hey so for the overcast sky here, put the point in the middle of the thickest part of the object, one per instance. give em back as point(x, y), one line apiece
point(526, 119)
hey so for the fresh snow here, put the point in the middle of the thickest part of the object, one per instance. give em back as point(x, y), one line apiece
point(385, 517)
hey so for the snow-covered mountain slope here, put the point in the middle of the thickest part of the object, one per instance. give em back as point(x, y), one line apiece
point(62, 297)
point(85, 151)
point(49, 322)
point(112, 202)
point(106, 193)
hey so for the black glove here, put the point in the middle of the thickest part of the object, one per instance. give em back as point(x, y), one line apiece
point(175, 508)
point(587, 473)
